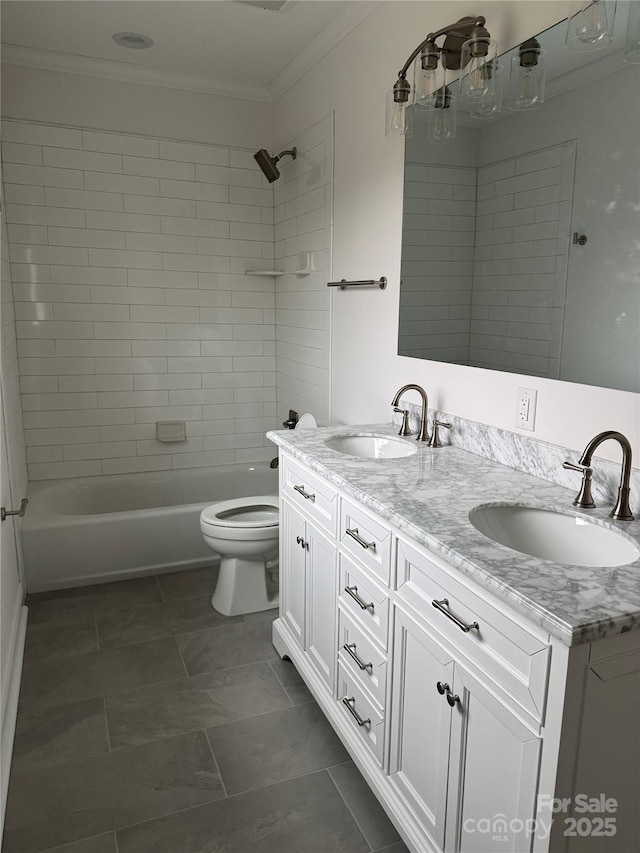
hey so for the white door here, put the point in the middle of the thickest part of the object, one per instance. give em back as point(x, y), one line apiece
point(494, 773)
point(421, 722)
point(321, 605)
point(292, 572)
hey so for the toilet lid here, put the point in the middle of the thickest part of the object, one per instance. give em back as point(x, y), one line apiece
point(260, 511)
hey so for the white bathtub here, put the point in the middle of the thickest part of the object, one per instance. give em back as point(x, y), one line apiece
point(97, 529)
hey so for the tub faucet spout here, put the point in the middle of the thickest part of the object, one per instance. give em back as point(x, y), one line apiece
point(423, 433)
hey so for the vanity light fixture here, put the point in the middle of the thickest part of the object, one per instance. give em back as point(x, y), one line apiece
point(590, 24)
point(466, 44)
point(527, 77)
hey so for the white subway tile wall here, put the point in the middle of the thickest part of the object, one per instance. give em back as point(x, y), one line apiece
point(303, 232)
point(484, 284)
point(132, 304)
point(520, 270)
point(438, 237)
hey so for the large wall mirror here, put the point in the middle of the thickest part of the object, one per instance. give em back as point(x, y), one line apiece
point(496, 272)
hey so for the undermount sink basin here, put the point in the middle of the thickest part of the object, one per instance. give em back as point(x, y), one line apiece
point(371, 446)
point(556, 536)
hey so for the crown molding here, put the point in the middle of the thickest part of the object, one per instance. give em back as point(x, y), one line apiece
point(320, 45)
point(108, 69)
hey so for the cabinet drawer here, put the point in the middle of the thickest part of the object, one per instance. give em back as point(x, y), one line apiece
point(364, 600)
point(360, 655)
point(514, 657)
point(367, 540)
point(367, 720)
point(310, 493)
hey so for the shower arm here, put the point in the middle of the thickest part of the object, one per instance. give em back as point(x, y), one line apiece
point(293, 152)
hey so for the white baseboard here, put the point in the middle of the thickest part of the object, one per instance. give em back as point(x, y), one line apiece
point(10, 707)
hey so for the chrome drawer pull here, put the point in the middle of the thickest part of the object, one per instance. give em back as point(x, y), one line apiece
point(353, 592)
point(302, 543)
point(355, 535)
point(442, 607)
point(350, 649)
point(350, 704)
point(305, 495)
point(444, 688)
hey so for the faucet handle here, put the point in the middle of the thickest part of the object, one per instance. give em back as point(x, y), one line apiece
point(435, 435)
point(404, 429)
point(584, 498)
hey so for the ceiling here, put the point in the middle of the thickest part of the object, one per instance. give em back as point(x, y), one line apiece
point(216, 46)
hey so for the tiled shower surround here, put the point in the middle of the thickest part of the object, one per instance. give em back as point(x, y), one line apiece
point(129, 259)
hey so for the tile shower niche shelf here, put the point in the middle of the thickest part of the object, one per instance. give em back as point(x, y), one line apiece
point(264, 272)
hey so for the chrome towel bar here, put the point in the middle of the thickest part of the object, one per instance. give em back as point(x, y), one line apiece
point(343, 284)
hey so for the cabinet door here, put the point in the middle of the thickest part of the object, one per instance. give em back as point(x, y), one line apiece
point(420, 723)
point(321, 604)
point(292, 572)
point(493, 773)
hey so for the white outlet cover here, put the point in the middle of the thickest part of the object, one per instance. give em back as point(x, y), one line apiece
point(526, 408)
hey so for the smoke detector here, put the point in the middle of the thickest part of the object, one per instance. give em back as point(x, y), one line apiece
point(135, 41)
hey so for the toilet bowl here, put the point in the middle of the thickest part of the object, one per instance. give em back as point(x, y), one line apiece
point(244, 532)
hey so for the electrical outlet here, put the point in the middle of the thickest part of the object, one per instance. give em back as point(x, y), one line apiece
point(526, 408)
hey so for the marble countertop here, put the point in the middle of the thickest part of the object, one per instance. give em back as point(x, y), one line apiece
point(428, 496)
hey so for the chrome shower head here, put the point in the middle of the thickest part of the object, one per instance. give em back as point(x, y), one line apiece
point(268, 163)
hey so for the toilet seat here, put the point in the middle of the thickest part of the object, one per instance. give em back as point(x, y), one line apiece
point(255, 512)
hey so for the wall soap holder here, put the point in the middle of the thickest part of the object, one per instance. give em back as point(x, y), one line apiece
point(171, 431)
point(305, 263)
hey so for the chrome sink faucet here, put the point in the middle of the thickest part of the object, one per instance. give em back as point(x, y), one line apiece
point(423, 434)
point(621, 511)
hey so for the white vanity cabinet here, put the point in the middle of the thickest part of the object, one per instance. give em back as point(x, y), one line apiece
point(460, 712)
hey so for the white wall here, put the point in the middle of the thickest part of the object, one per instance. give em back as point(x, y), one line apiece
point(367, 236)
point(52, 97)
point(128, 263)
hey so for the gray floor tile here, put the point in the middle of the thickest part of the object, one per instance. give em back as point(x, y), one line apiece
point(400, 847)
point(97, 844)
point(151, 621)
point(64, 733)
point(99, 673)
point(288, 676)
point(267, 749)
point(66, 802)
point(212, 699)
point(61, 641)
point(363, 805)
point(227, 646)
point(68, 606)
point(189, 584)
point(304, 815)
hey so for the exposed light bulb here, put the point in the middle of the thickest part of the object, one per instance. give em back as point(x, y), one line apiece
point(398, 119)
point(473, 86)
point(426, 87)
point(593, 23)
point(442, 129)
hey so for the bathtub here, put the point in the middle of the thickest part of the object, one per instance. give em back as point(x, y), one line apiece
point(96, 529)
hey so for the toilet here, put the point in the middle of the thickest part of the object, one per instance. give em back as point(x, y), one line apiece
point(244, 532)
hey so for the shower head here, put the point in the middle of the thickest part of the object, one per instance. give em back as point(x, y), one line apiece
point(268, 163)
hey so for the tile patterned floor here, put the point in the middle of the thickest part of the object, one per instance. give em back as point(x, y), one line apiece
point(148, 723)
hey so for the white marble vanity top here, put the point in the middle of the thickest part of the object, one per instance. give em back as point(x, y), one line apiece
point(428, 497)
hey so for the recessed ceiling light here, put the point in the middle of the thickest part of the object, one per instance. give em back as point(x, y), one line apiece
point(132, 40)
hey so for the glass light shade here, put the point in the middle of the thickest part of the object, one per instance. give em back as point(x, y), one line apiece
point(590, 24)
point(442, 123)
point(399, 117)
point(527, 84)
point(427, 82)
point(475, 81)
point(491, 104)
point(632, 45)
